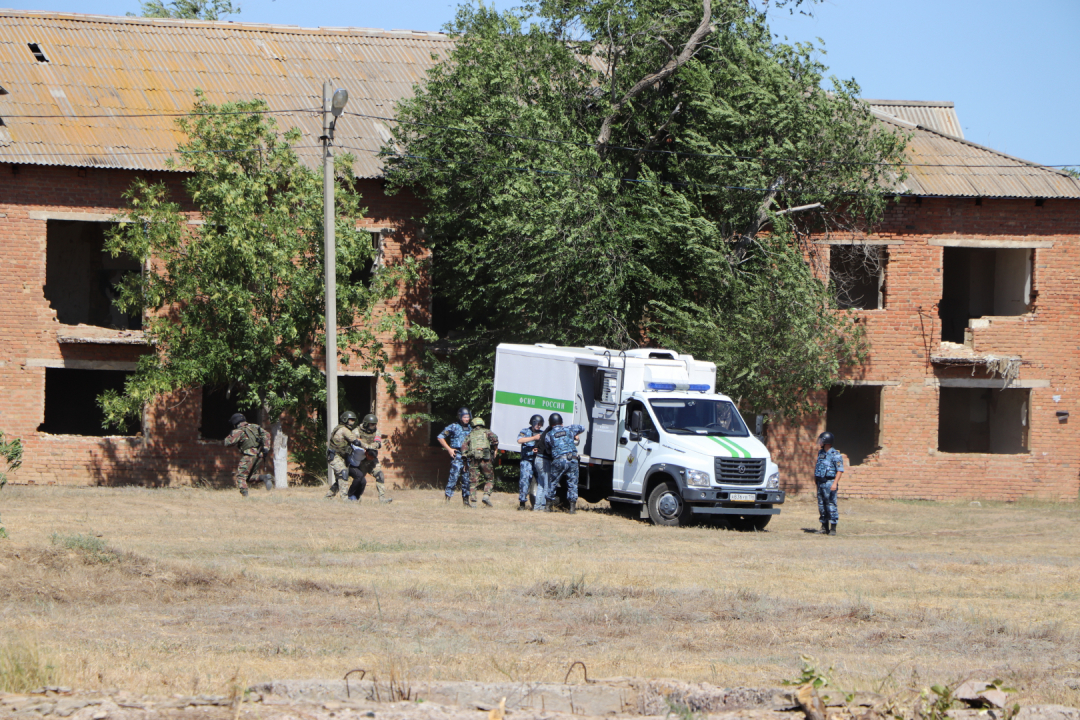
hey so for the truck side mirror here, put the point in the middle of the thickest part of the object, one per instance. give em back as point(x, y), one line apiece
point(636, 421)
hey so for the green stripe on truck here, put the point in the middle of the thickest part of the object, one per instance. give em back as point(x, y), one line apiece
point(730, 446)
point(535, 402)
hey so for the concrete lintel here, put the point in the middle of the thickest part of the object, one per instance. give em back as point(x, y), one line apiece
point(60, 215)
point(985, 383)
point(863, 241)
point(355, 373)
point(81, 364)
point(878, 383)
point(983, 243)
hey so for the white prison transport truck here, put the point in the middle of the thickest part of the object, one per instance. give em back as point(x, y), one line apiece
point(656, 435)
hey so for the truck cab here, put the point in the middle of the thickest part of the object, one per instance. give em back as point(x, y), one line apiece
point(658, 437)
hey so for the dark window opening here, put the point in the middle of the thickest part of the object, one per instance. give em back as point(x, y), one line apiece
point(218, 405)
point(983, 420)
point(982, 282)
point(365, 273)
point(857, 273)
point(71, 402)
point(355, 393)
point(853, 416)
point(82, 280)
point(39, 55)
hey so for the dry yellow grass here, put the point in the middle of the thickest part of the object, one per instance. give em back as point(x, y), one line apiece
point(191, 591)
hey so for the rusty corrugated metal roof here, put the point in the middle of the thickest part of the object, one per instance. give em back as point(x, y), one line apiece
point(116, 68)
point(946, 166)
point(939, 116)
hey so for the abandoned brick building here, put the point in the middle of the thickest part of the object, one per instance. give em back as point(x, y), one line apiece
point(969, 293)
point(88, 104)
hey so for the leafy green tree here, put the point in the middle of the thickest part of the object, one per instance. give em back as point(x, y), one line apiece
point(11, 451)
point(238, 300)
point(189, 9)
point(627, 173)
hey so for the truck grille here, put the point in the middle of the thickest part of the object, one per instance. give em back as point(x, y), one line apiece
point(740, 471)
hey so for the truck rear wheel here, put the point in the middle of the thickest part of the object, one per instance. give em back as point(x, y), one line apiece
point(666, 506)
point(749, 523)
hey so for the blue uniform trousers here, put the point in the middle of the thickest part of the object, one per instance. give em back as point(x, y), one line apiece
point(826, 501)
point(458, 469)
point(563, 466)
point(525, 479)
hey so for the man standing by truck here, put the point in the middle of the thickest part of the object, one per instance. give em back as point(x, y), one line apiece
point(827, 471)
point(451, 438)
point(527, 481)
point(562, 440)
point(479, 448)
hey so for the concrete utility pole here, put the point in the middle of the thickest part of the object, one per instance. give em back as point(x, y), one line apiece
point(333, 105)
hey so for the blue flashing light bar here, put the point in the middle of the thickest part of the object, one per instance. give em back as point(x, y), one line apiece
point(670, 387)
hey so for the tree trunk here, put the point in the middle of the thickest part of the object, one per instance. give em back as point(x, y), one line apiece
point(279, 453)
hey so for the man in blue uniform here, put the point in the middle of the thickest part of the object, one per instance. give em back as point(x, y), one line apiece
point(827, 471)
point(451, 438)
point(527, 439)
point(562, 440)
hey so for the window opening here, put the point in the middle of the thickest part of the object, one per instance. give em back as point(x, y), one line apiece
point(857, 273)
point(983, 420)
point(218, 405)
point(355, 392)
point(365, 273)
point(853, 415)
point(39, 54)
point(981, 282)
point(71, 402)
point(82, 280)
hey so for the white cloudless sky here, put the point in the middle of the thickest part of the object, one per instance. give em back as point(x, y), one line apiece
point(1012, 68)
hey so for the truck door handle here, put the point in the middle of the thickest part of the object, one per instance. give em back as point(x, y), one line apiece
point(622, 441)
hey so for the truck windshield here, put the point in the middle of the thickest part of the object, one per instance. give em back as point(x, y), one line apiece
point(691, 416)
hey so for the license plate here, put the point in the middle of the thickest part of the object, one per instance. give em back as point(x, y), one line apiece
point(741, 497)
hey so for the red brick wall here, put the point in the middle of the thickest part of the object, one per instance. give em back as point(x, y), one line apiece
point(171, 453)
point(907, 331)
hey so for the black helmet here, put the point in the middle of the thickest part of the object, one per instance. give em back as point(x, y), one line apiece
point(826, 438)
point(371, 420)
point(536, 420)
point(237, 418)
point(462, 412)
point(349, 419)
point(554, 419)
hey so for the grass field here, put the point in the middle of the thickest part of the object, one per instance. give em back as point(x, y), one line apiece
point(190, 591)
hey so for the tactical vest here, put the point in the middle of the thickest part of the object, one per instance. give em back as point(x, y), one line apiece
point(251, 439)
point(367, 439)
point(561, 441)
point(479, 445)
point(338, 443)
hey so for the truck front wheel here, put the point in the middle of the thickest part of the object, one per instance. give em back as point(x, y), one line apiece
point(666, 506)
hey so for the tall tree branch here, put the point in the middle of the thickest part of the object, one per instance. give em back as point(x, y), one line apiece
point(663, 73)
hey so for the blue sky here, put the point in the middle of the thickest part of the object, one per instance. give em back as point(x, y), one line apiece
point(1011, 68)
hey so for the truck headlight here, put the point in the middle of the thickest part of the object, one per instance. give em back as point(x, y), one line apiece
point(774, 481)
point(697, 478)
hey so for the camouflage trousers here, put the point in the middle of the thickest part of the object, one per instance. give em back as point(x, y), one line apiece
point(245, 470)
point(340, 468)
point(484, 469)
point(564, 466)
point(826, 501)
point(458, 468)
point(526, 481)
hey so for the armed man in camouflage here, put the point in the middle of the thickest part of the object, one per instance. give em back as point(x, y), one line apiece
point(338, 449)
point(479, 450)
point(451, 438)
point(370, 442)
point(562, 440)
point(528, 480)
point(253, 443)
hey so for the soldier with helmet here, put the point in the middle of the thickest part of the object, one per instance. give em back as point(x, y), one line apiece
point(451, 439)
point(369, 441)
point(827, 471)
point(479, 450)
point(561, 440)
point(339, 449)
point(528, 439)
point(252, 442)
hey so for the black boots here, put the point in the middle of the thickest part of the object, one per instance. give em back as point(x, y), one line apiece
point(522, 506)
point(824, 529)
point(465, 499)
point(832, 529)
point(573, 508)
point(487, 501)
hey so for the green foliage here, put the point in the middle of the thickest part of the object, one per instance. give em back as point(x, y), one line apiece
point(11, 451)
point(238, 301)
point(570, 203)
point(820, 679)
point(92, 549)
point(188, 9)
point(24, 666)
